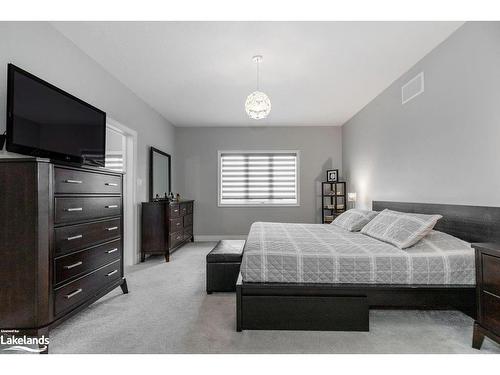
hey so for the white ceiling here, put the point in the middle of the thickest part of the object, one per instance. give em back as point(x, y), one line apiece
point(199, 73)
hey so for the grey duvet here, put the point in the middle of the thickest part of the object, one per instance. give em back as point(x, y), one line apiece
point(318, 253)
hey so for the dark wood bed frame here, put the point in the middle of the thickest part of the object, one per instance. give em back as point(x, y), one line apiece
point(344, 307)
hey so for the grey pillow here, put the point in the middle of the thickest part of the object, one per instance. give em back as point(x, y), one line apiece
point(399, 228)
point(353, 220)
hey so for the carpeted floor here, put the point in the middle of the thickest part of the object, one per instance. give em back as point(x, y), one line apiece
point(168, 311)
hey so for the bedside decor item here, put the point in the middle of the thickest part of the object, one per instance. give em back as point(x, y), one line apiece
point(487, 293)
point(351, 197)
point(160, 182)
point(258, 104)
point(332, 175)
point(333, 200)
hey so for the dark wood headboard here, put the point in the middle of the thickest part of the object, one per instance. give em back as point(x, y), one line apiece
point(470, 223)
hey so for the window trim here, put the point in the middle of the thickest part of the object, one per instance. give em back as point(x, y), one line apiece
point(219, 180)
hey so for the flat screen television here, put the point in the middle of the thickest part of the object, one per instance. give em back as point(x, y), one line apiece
point(45, 121)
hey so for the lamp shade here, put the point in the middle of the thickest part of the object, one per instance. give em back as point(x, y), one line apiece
point(351, 197)
point(257, 105)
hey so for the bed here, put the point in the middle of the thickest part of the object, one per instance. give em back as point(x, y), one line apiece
point(321, 277)
point(325, 253)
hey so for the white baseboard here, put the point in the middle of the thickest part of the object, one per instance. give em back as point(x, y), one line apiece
point(219, 237)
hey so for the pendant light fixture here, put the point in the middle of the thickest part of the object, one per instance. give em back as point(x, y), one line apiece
point(258, 104)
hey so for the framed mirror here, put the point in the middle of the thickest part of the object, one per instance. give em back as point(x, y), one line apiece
point(159, 174)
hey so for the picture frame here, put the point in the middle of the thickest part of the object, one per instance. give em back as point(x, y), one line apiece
point(332, 175)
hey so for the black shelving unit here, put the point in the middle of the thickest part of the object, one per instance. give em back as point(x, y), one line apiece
point(334, 200)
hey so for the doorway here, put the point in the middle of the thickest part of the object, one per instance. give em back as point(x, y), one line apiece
point(121, 155)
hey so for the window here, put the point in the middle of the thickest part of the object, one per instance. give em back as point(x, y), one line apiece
point(256, 178)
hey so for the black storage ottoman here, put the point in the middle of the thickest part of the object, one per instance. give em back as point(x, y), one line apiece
point(223, 266)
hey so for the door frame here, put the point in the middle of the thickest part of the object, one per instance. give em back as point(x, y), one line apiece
point(130, 210)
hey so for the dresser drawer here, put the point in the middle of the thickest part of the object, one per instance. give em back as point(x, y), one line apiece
point(75, 209)
point(491, 273)
point(76, 292)
point(189, 207)
point(188, 220)
point(81, 262)
point(174, 210)
point(69, 181)
point(490, 312)
point(183, 209)
point(76, 237)
point(176, 224)
point(175, 239)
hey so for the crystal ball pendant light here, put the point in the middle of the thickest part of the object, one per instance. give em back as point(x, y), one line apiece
point(258, 104)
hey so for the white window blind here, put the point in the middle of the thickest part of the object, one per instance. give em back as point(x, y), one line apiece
point(115, 150)
point(258, 178)
point(114, 160)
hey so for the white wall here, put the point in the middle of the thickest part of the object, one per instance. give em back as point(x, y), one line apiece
point(443, 146)
point(196, 165)
point(40, 49)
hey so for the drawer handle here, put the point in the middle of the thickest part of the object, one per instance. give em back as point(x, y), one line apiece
point(491, 294)
point(73, 181)
point(72, 209)
point(111, 228)
point(112, 206)
point(73, 265)
point(176, 210)
point(178, 237)
point(178, 224)
point(71, 295)
point(112, 250)
point(75, 237)
point(111, 273)
point(110, 184)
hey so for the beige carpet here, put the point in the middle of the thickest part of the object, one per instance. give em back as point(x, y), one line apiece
point(168, 311)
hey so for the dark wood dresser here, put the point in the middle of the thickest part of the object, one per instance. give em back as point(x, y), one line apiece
point(487, 293)
point(166, 226)
point(60, 241)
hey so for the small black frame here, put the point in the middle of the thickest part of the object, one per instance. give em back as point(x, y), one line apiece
point(151, 153)
point(336, 175)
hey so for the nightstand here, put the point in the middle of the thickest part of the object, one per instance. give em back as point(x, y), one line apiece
point(487, 293)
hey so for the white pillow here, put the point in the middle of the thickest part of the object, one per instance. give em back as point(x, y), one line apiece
point(353, 220)
point(399, 228)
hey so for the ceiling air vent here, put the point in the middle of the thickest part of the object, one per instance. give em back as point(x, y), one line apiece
point(412, 88)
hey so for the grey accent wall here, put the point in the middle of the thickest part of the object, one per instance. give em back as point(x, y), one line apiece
point(40, 49)
point(444, 145)
point(196, 165)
